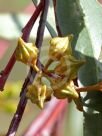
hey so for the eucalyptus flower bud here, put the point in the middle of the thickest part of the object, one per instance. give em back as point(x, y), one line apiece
point(69, 66)
point(60, 45)
point(27, 53)
point(38, 93)
point(67, 90)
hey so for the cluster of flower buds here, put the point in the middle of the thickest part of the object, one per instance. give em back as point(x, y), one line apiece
point(66, 70)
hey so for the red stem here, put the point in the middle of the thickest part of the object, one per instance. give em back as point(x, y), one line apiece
point(5, 73)
point(23, 100)
point(27, 29)
point(26, 32)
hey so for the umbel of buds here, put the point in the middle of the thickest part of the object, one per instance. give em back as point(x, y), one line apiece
point(62, 86)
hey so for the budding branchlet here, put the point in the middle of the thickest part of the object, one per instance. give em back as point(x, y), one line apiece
point(62, 85)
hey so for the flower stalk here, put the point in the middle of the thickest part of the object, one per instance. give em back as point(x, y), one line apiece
point(96, 87)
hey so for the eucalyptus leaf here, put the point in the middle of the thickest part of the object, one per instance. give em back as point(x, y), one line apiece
point(90, 74)
point(83, 18)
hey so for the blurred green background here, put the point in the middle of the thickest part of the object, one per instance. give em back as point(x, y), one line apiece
point(13, 16)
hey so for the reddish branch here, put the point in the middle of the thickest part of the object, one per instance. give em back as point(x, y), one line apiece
point(96, 87)
point(26, 32)
point(27, 29)
point(23, 100)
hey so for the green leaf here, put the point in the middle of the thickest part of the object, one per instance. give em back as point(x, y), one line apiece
point(83, 18)
point(89, 45)
point(91, 40)
point(69, 17)
point(85, 23)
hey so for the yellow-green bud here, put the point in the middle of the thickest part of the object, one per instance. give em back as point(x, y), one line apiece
point(68, 67)
point(27, 53)
point(59, 46)
point(66, 90)
point(38, 93)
